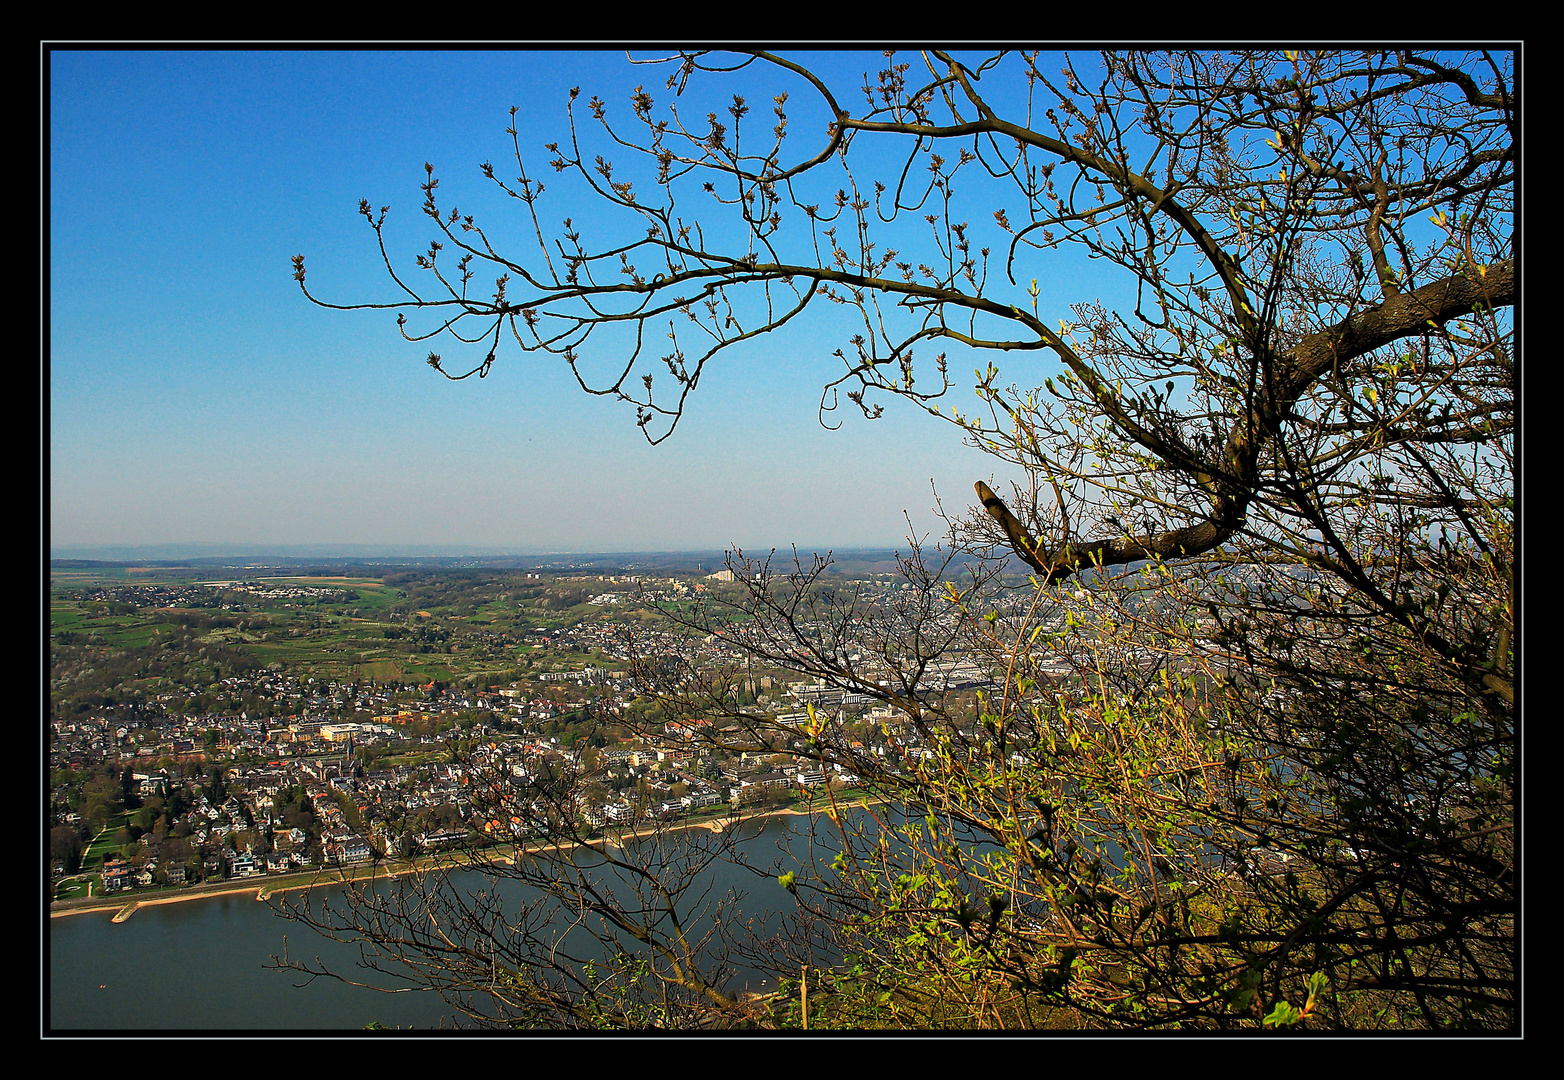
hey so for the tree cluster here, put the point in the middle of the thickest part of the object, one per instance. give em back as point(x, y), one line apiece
point(1247, 752)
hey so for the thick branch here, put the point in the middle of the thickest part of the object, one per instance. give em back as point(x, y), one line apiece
point(1234, 485)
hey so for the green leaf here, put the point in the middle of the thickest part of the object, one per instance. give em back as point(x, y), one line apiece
point(1283, 1015)
point(1317, 984)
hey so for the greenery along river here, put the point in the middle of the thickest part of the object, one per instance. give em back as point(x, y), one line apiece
point(203, 964)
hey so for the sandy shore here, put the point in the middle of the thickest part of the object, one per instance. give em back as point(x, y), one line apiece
point(125, 906)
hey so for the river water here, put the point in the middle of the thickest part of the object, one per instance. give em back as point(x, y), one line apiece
point(202, 965)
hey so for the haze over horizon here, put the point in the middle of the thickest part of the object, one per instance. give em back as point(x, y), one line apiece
point(344, 552)
point(195, 397)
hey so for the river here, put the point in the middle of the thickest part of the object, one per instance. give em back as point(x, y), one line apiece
point(202, 965)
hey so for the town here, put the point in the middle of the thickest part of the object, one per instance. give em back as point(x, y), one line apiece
point(216, 729)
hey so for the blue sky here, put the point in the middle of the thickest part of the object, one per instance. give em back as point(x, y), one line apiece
point(194, 396)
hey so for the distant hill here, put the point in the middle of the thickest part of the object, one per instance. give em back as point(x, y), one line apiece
point(855, 561)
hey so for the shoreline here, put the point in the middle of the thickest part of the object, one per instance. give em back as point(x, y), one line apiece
point(262, 888)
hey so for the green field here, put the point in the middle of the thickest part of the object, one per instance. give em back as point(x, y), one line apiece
point(119, 633)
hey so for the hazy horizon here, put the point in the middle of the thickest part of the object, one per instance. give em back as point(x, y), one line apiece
point(175, 551)
point(196, 397)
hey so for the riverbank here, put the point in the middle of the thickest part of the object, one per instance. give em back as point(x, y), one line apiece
point(125, 905)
